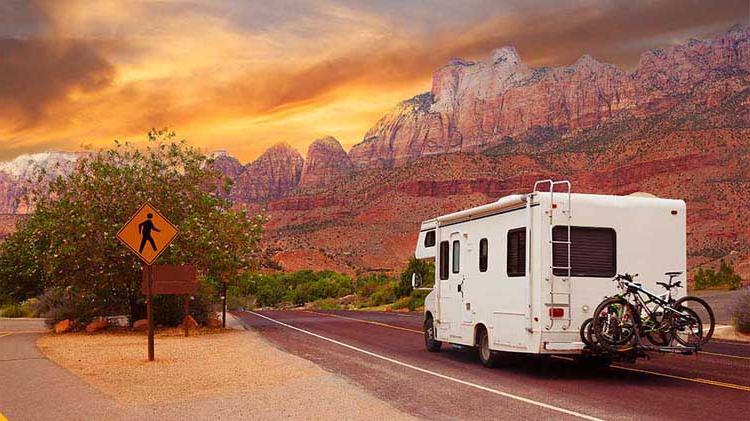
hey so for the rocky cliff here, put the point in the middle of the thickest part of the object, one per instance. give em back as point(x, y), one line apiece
point(274, 174)
point(326, 162)
point(501, 101)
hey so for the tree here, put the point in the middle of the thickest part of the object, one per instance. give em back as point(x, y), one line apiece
point(70, 240)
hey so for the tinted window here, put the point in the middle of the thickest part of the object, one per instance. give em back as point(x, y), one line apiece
point(456, 256)
point(593, 251)
point(483, 254)
point(429, 239)
point(517, 252)
point(443, 260)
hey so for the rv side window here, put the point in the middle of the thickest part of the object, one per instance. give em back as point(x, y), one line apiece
point(456, 256)
point(483, 251)
point(517, 252)
point(444, 260)
point(593, 251)
point(429, 239)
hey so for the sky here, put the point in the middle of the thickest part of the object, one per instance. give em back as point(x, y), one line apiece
point(242, 75)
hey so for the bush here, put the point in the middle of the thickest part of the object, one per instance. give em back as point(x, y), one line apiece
point(424, 269)
point(326, 304)
point(741, 312)
point(403, 302)
point(58, 304)
point(724, 278)
point(385, 294)
point(12, 310)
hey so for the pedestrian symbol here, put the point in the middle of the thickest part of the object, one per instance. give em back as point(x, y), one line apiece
point(147, 233)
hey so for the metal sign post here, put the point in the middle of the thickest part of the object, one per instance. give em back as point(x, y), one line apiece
point(150, 311)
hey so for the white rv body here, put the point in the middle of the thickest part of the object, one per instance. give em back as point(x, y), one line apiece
point(644, 235)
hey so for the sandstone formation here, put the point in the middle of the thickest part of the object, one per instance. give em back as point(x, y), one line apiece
point(227, 164)
point(326, 162)
point(63, 326)
point(274, 174)
point(500, 101)
point(97, 325)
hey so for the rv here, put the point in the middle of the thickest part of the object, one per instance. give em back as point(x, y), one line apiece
point(523, 273)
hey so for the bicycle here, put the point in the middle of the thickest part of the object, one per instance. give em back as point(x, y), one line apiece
point(621, 321)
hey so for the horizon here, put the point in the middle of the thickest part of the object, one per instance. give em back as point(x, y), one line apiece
point(344, 65)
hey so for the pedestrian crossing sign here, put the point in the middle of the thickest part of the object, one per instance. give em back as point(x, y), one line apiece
point(147, 233)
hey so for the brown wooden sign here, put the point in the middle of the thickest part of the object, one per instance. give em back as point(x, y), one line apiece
point(171, 280)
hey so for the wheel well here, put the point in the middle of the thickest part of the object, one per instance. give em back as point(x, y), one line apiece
point(477, 328)
point(428, 315)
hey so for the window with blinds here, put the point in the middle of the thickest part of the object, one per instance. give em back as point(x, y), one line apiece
point(593, 251)
point(516, 258)
point(483, 255)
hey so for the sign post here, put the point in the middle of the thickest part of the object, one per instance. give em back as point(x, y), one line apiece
point(147, 234)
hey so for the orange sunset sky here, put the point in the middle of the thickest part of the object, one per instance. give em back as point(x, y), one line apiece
point(242, 75)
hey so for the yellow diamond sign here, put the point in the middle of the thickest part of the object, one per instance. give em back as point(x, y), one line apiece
point(147, 233)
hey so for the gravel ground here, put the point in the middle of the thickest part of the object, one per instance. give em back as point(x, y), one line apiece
point(205, 375)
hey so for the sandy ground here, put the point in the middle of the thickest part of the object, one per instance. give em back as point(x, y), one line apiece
point(239, 370)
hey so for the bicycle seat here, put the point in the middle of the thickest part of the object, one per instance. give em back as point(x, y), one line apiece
point(677, 284)
point(672, 273)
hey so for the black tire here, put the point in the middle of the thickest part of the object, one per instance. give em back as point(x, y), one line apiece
point(704, 312)
point(585, 332)
point(616, 323)
point(430, 343)
point(488, 357)
point(688, 329)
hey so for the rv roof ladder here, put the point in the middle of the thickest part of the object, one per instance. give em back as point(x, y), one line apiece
point(559, 297)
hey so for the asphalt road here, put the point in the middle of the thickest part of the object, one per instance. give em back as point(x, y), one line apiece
point(384, 353)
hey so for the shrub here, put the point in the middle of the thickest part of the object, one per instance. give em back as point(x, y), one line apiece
point(57, 304)
point(417, 299)
point(385, 294)
point(741, 312)
point(724, 278)
point(12, 310)
point(326, 304)
point(403, 302)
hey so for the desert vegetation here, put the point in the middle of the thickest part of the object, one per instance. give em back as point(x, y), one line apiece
point(725, 277)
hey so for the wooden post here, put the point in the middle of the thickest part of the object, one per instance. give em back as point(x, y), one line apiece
point(150, 311)
point(187, 313)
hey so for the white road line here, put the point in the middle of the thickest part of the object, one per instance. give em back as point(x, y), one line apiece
point(432, 373)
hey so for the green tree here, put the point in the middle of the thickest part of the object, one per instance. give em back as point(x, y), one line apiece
point(70, 240)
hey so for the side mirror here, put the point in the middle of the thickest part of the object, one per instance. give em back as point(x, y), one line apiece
point(416, 280)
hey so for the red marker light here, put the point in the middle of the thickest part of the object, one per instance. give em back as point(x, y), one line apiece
point(556, 312)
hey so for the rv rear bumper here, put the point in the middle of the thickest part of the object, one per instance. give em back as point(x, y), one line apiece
point(573, 347)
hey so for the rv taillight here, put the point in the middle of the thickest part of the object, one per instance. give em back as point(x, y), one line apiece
point(674, 212)
point(556, 312)
point(554, 206)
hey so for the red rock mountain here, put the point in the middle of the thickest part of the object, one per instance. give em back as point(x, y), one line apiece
point(502, 101)
point(326, 163)
point(274, 174)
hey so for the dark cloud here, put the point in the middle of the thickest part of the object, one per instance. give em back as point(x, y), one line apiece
point(35, 73)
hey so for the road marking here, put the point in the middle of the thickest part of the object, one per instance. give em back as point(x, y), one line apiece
point(433, 373)
point(723, 355)
point(366, 321)
point(2, 335)
point(690, 379)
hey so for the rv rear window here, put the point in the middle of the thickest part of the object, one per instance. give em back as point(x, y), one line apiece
point(517, 252)
point(593, 251)
point(444, 259)
point(483, 254)
point(429, 239)
point(456, 256)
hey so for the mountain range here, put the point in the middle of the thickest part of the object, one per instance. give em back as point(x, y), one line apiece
point(676, 126)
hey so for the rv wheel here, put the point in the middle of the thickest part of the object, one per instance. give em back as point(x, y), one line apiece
point(430, 343)
point(488, 357)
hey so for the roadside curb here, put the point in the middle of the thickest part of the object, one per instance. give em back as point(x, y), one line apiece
point(728, 333)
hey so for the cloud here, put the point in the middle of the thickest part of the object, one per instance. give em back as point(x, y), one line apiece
point(242, 75)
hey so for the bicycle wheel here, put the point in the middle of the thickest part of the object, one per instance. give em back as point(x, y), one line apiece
point(585, 332)
point(687, 327)
point(704, 312)
point(615, 324)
